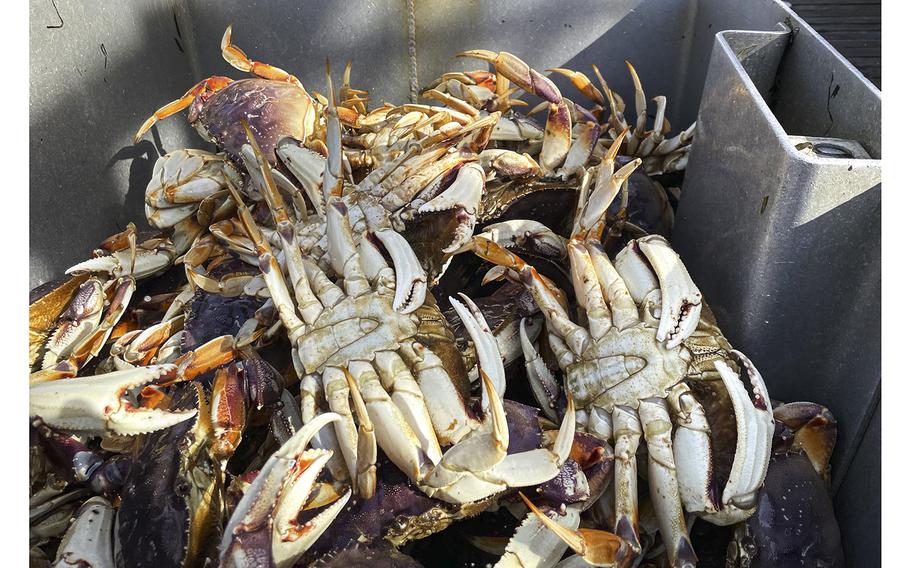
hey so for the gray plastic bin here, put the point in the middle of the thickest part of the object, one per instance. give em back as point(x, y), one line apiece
point(786, 247)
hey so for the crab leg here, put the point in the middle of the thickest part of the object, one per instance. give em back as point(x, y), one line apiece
point(337, 395)
point(444, 404)
point(596, 547)
point(626, 434)
point(332, 182)
point(582, 83)
point(585, 139)
point(663, 483)
point(692, 451)
point(407, 396)
point(307, 304)
point(271, 272)
point(239, 60)
point(656, 136)
point(543, 383)
point(366, 434)
point(311, 401)
point(558, 132)
point(622, 306)
point(575, 336)
point(641, 111)
point(210, 84)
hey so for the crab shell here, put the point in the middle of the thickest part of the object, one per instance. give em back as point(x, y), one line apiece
point(273, 109)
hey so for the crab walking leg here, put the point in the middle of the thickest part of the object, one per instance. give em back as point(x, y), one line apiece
point(307, 304)
point(366, 434)
point(445, 405)
point(343, 254)
point(692, 450)
point(558, 131)
point(332, 182)
point(587, 290)
point(606, 186)
point(543, 383)
point(622, 306)
point(534, 545)
point(584, 140)
point(656, 136)
point(641, 111)
point(239, 60)
point(210, 84)
point(595, 547)
point(406, 395)
point(663, 483)
point(582, 83)
point(575, 336)
point(337, 396)
point(626, 435)
point(393, 433)
point(271, 272)
point(311, 397)
point(670, 145)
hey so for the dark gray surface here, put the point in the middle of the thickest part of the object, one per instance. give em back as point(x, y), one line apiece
point(86, 179)
point(856, 504)
point(796, 287)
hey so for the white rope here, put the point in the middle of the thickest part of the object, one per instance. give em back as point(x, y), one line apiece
point(412, 50)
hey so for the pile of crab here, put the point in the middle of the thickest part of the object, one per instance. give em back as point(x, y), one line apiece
point(434, 333)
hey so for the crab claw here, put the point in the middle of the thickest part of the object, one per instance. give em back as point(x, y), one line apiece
point(98, 405)
point(680, 297)
point(152, 257)
point(265, 529)
point(754, 433)
point(464, 194)
point(410, 278)
point(596, 547)
point(88, 541)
